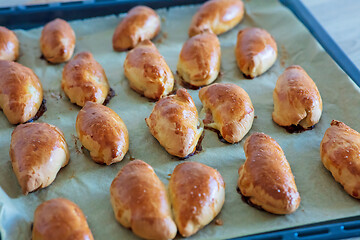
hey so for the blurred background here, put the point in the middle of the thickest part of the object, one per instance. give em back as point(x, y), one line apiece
point(341, 20)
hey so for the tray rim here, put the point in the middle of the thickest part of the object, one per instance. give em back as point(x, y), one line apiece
point(331, 229)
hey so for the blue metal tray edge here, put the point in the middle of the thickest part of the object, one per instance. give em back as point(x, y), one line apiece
point(331, 47)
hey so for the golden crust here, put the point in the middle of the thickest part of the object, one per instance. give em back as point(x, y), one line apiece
point(297, 100)
point(37, 151)
point(141, 23)
point(57, 42)
point(140, 202)
point(228, 108)
point(255, 51)
point(103, 133)
point(340, 154)
point(218, 16)
point(175, 124)
point(147, 71)
point(199, 60)
point(266, 177)
point(21, 92)
point(60, 219)
point(9, 45)
point(83, 79)
point(197, 194)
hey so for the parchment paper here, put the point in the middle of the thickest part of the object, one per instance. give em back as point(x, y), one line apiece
point(87, 183)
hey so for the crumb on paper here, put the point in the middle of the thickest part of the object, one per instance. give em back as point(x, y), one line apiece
point(219, 222)
point(75, 138)
point(255, 116)
point(168, 177)
point(284, 56)
point(54, 94)
point(220, 75)
point(163, 37)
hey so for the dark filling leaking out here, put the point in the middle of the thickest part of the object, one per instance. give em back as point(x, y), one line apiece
point(186, 84)
point(198, 148)
point(297, 128)
point(247, 200)
point(247, 76)
point(42, 57)
point(40, 112)
point(110, 95)
point(149, 99)
point(173, 92)
point(218, 133)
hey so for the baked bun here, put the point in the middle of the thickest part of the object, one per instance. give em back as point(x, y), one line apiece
point(255, 51)
point(175, 124)
point(37, 151)
point(199, 60)
point(228, 109)
point(340, 154)
point(9, 45)
point(297, 100)
point(141, 23)
point(140, 202)
point(266, 178)
point(103, 133)
point(197, 194)
point(57, 42)
point(60, 219)
point(21, 92)
point(147, 71)
point(218, 16)
point(83, 79)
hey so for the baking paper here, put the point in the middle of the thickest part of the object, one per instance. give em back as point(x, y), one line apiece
point(87, 183)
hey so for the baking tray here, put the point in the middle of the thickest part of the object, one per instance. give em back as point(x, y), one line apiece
point(27, 17)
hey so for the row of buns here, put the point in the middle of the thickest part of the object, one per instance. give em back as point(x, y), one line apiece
point(196, 191)
point(265, 179)
point(144, 67)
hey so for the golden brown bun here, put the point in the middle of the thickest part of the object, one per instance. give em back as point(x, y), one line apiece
point(140, 202)
point(266, 177)
point(199, 60)
point(103, 133)
point(141, 23)
point(217, 16)
point(147, 71)
point(228, 108)
point(340, 154)
point(297, 100)
point(255, 51)
point(57, 41)
point(9, 45)
point(197, 194)
point(175, 124)
point(37, 151)
point(60, 219)
point(83, 79)
point(21, 92)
